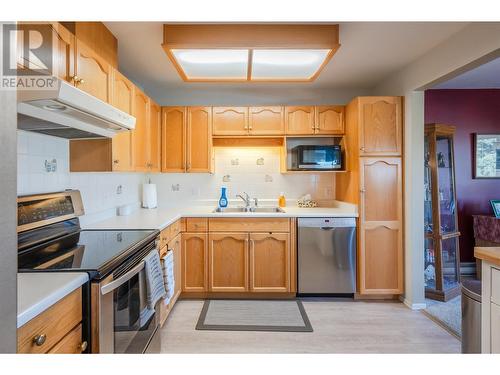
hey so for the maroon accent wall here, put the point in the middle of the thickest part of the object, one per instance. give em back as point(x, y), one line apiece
point(471, 111)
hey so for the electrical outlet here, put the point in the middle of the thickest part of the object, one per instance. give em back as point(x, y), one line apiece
point(119, 189)
point(260, 161)
point(226, 178)
point(176, 187)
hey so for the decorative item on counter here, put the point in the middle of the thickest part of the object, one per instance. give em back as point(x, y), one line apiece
point(149, 196)
point(306, 202)
point(282, 200)
point(223, 198)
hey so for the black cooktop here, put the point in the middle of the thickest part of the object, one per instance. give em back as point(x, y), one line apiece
point(97, 252)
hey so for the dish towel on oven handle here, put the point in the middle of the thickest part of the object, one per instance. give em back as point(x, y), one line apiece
point(167, 263)
point(154, 279)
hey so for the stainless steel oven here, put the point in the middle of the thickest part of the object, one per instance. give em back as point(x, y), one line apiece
point(117, 318)
point(317, 157)
point(121, 320)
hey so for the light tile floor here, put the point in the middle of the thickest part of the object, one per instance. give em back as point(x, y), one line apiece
point(339, 327)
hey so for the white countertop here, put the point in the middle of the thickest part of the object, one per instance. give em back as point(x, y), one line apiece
point(37, 291)
point(160, 218)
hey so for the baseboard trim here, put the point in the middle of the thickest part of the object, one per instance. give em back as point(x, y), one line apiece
point(413, 306)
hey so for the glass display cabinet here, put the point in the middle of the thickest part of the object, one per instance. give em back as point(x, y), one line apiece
point(441, 253)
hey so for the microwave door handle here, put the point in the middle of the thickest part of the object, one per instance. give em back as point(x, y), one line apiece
point(122, 279)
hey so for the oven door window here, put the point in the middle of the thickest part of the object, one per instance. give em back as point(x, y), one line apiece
point(134, 322)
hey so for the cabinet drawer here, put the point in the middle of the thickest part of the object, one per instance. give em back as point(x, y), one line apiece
point(175, 229)
point(228, 224)
point(164, 236)
point(196, 224)
point(495, 285)
point(54, 323)
point(71, 343)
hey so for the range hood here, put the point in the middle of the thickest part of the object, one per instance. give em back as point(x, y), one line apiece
point(68, 112)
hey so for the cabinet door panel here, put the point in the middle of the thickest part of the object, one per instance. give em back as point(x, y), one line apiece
point(62, 49)
point(269, 262)
point(266, 121)
point(228, 254)
point(381, 240)
point(299, 120)
point(123, 99)
point(94, 73)
point(140, 135)
point(199, 139)
point(381, 126)
point(194, 262)
point(330, 119)
point(173, 134)
point(230, 120)
point(154, 137)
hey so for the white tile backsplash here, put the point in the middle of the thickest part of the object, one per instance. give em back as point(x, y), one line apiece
point(247, 176)
point(98, 189)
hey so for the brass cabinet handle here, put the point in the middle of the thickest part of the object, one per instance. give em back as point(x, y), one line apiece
point(362, 149)
point(83, 346)
point(78, 80)
point(362, 190)
point(39, 340)
point(116, 161)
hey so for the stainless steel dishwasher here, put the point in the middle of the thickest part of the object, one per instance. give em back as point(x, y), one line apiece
point(326, 256)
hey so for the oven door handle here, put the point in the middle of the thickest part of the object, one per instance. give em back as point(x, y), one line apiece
point(122, 279)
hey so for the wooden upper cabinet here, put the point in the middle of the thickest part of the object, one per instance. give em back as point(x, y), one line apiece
point(329, 119)
point(140, 135)
point(63, 52)
point(381, 226)
point(266, 121)
point(230, 120)
point(92, 73)
point(380, 126)
point(154, 137)
point(228, 262)
point(199, 139)
point(269, 262)
point(194, 262)
point(299, 120)
point(173, 135)
point(123, 99)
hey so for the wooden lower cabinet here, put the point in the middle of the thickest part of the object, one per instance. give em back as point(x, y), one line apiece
point(228, 262)
point(176, 247)
point(195, 262)
point(270, 262)
point(247, 257)
point(56, 330)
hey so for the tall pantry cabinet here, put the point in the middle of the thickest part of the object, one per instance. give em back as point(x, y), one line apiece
point(374, 182)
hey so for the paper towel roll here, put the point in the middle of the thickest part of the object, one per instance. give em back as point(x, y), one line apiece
point(149, 197)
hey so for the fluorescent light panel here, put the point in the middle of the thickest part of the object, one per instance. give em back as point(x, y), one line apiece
point(213, 63)
point(267, 64)
point(300, 64)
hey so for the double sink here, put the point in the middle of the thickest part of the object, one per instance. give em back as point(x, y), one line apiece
point(249, 210)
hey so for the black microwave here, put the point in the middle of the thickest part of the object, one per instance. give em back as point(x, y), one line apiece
point(317, 157)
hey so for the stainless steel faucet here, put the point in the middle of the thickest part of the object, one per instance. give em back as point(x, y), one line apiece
point(245, 199)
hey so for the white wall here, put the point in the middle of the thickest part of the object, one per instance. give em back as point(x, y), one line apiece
point(474, 44)
point(246, 176)
point(99, 190)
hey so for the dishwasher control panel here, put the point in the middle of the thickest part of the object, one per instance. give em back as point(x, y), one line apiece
point(328, 222)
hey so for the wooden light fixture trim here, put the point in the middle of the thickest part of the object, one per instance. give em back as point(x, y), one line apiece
point(250, 37)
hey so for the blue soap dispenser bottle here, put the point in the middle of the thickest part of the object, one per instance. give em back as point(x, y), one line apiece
point(223, 198)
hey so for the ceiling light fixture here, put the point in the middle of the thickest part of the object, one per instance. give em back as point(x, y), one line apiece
point(250, 52)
